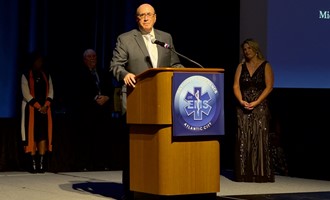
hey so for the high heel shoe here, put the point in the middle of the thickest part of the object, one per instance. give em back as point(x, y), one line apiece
point(41, 165)
point(33, 165)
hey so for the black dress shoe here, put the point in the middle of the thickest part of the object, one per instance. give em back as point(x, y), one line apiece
point(41, 165)
point(84, 169)
point(33, 168)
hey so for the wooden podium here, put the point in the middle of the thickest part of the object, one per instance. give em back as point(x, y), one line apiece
point(160, 165)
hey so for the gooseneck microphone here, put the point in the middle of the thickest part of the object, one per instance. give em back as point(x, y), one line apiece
point(163, 44)
point(167, 46)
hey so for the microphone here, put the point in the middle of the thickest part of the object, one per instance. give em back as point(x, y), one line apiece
point(163, 44)
point(167, 46)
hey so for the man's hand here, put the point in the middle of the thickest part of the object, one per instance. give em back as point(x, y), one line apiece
point(102, 99)
point(129, 80)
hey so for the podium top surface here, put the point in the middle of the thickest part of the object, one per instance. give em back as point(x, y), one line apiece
point(174, 69)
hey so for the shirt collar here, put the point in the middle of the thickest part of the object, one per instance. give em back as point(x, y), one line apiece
point(152, 33)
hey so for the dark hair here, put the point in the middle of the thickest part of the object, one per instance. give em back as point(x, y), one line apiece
point(33, 56)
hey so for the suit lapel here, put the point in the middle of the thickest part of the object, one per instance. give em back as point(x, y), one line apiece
point(139, 40)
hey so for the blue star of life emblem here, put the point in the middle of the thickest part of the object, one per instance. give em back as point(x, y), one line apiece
point(197, 103)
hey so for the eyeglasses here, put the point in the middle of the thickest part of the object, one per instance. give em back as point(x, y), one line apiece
point(143, 15)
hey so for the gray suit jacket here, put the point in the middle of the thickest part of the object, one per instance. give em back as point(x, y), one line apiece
point(131, 56)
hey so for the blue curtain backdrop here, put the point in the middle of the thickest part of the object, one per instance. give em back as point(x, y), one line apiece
point(8, 53)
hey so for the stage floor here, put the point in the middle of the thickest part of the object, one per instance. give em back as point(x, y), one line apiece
point(107, 185)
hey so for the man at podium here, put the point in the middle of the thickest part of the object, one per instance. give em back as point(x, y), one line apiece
point(136, 51)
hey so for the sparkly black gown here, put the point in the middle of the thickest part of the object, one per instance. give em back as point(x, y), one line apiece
point(253, 157)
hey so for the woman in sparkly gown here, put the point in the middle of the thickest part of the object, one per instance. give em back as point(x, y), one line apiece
point(253, 83)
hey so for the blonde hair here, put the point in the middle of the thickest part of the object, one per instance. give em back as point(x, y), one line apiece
point(255, 46)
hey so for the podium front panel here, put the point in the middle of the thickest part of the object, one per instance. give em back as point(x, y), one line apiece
point(162, 167)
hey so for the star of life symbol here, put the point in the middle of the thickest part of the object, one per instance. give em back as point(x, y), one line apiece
point(197, 108)
point(197, 103)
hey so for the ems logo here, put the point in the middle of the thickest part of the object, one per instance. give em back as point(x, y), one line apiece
point(195, 104)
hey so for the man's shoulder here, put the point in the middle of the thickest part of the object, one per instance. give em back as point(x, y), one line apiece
point(130, 33)
point(160, 32)
point(162, 35)
point(135, 32)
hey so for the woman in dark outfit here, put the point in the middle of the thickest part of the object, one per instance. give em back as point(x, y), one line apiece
point(36, 124)
point(253, 83)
